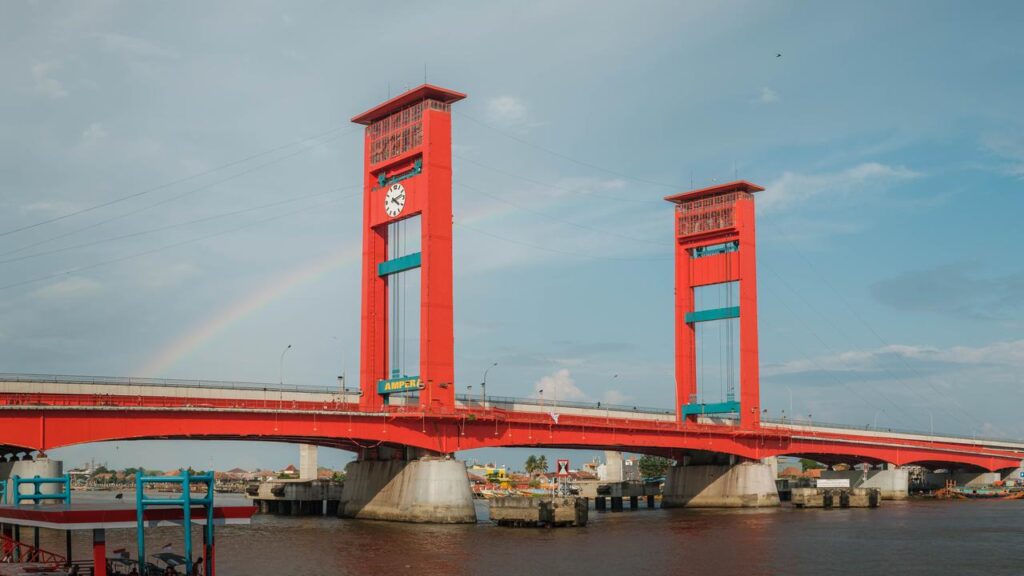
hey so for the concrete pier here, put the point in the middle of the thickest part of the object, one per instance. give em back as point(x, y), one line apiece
point(837, 497)
point(937, 480)
point(742, 485)
point(43, 467)
point(430, 489)
point(893, 483)
point(307, 461)
point(296, 497)
point(526, 511)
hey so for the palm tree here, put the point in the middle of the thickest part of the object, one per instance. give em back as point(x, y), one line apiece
point(542, 463)
point(531, 464)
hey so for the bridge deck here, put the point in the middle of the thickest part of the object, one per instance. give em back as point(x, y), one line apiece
point(53, 395)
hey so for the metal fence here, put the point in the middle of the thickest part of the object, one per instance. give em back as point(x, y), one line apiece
point(470, 400)
point(170, 383)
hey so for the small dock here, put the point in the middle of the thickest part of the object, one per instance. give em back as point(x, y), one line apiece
point(296, 497)
point(836, 497)
point(524, 511)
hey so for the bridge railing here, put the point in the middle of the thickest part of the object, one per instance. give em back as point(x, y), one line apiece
point(868, 428)
point(473, 401)
point(171, 383)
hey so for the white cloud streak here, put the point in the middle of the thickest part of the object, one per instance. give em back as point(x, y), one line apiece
point(793, 187)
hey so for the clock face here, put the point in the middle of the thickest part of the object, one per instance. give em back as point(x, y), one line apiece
point(394, 200)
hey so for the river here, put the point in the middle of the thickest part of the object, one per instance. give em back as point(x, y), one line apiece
point(914, 537)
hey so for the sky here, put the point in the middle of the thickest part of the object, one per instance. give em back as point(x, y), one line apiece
point(180, 196)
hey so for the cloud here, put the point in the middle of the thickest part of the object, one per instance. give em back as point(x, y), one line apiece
point(45, 84)
point(72, 287)
point(165, 275)
point(1009, 149)
point(135, 47)
point(559, 386)
point(768, 95)
point(614, 397)
point(792, 187)
point(898, 356)
point(49, 208)
point(953, 289)
point(94, 133)
point(507, 111)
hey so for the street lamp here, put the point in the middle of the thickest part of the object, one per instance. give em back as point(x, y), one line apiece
point(280, 371)
point(469, 395)
point(540, 393)
point(483, 384)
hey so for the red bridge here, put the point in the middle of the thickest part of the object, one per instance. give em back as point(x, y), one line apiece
point(41, 413)
point(404, 414)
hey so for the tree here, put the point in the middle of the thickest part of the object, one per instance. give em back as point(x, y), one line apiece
point(536, 464)
point(653, 466)
point(531, 464)
point(542, 464)
point(808, 464)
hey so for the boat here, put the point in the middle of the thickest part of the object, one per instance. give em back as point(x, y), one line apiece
point(981, 491)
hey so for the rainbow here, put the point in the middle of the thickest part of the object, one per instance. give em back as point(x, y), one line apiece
point(179, 348)
point(245, 307)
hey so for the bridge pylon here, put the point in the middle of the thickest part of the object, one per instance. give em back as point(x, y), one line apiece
point(408, 186)
point(715, 251)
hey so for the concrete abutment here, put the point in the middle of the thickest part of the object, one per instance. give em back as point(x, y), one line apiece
point(893, 483)
point(739, 485)
point(428, 489)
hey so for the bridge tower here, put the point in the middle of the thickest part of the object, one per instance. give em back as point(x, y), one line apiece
point(715, 250)
point(408, 177)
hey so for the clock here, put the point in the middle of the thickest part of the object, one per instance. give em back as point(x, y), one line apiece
point(394, 200)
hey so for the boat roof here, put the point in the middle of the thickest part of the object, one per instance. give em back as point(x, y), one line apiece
point(116, 514)
point(171, 559)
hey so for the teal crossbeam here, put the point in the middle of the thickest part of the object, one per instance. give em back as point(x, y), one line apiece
point(713, 314)
point(715, 408)
point(400, 264)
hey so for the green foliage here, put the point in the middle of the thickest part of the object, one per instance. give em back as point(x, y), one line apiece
point(531, 464)
point(653, 466)
point(807, 464)
point(536, 464)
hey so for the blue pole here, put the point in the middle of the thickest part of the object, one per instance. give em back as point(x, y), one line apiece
point(186, 497)
point(208, 556)
point(140, 507)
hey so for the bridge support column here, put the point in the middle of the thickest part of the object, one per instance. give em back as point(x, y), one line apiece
point(1016, 475)
point(743, 485)
point(429, 489)
point(893, 482)
point(43, 467)
point(307, 462)
point(969, 478)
